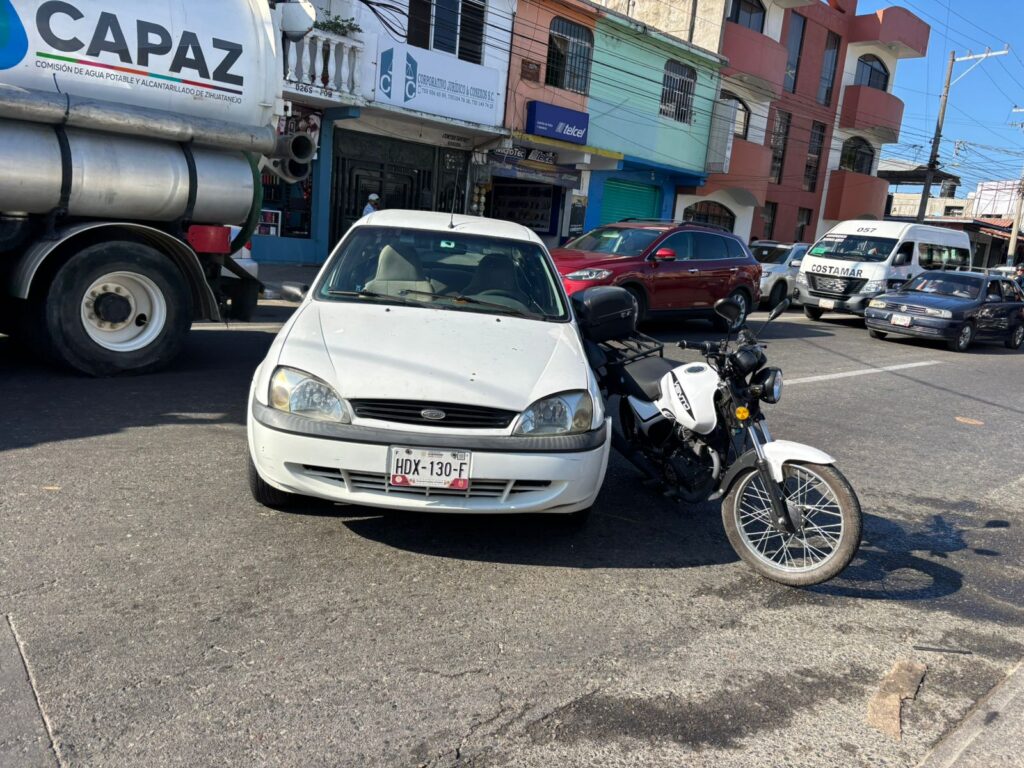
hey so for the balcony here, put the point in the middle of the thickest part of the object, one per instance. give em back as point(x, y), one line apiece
point(747, 179)
point(855, 196)
point(872, 111)
point(324, 69)
point(754, 59)
point(897, 28)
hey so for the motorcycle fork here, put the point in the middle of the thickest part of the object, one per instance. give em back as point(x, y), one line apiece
point(782, 516)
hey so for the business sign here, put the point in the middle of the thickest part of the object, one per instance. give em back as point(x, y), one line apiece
point(525, 153)
point(508, 165)
point(543, 119)
point(436, 83)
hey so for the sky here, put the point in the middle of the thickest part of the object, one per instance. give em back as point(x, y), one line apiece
point(979, 111)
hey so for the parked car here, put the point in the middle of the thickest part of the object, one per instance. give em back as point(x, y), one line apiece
point(780, 263)
point(434, 365)
point(669, 267)
point(957, 307)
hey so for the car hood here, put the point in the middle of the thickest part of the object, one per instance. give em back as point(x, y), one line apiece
point(931, 300)
point(569, 260)
point(370, 350)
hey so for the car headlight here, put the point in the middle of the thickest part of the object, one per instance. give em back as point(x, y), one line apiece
point(801, 278)
point(943, 313)
point(565, 414)
point(873, 286)
point(876, 304)
point(305, 395)
point(590, 274)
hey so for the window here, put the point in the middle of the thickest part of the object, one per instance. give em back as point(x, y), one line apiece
point(709, 247)
point(794, 42)
point(742, 123)
point(735, 248)
point(681, 243)
point(710, 212)
point(814, 146)
point(803, 218)
point(768, 215)
point(857, 156)
point(780, 134)
point(747, 13)
point(931, 256)
point(457, 27)
point(872, 73)
point(828, 69)
point(570, 47)
point(677, 86)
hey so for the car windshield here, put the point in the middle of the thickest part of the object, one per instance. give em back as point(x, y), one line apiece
point(620, 241)
point(770, 254)
point(853, 248)
point(443, 270)
point(958, 286)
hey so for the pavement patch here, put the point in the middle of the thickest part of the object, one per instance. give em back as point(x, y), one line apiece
point(885, 708)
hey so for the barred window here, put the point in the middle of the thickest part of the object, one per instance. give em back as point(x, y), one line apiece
point(813, 164)
point(677, 87)
point(570, 48)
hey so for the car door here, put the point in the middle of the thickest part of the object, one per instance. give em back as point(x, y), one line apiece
point(675, 282)
point(992, 307)
point(717, 270)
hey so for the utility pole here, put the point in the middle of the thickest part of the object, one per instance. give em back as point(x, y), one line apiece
point(933, 160)
point(1011, 249)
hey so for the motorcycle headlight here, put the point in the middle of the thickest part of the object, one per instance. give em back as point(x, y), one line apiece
point(568, 413)
point(876, 304)
point(590, 274)
point(943, 313)
point(305, 395)
point(801, 278)
point(873, 286)
point(769, 380)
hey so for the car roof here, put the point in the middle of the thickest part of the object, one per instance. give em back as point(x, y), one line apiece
point(664, 226)
point(446, 222)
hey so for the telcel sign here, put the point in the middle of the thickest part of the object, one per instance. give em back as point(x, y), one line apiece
point(543, 119)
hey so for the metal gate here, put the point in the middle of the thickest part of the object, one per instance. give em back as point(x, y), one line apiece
point(627, 199)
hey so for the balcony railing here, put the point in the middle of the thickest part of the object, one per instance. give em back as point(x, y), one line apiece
point(324, 66)
point(755, 59)
point(895, 27)
point(872, 110)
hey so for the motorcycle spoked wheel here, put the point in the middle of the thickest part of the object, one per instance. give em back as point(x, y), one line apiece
point(818, 552)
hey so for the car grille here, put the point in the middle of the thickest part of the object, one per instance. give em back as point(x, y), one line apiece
point(835, 286)
point(906, 309)
point(455, 415)
point(377, 483)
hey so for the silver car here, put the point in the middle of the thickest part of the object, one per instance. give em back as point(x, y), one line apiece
point(780, 263)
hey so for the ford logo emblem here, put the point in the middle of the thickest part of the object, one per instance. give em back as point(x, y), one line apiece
point(433, 414)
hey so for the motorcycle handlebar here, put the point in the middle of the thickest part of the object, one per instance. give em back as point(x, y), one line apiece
point(704, 347)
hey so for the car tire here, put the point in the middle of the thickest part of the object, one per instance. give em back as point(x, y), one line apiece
point(876, 334)
point(741, 298)
point(266, 494)
point(641, 303)
point(963, 339)
point(812, 313)
point(1016, 337)
point(778, 294)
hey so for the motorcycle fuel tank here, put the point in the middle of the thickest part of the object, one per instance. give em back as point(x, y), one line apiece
point(688, 393)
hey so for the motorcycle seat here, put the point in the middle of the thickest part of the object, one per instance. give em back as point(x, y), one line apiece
point(642, 379)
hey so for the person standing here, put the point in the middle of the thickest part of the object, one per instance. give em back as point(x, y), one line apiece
point(372, 204)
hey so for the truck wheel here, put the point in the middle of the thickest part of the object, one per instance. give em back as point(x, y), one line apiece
point(116, 307)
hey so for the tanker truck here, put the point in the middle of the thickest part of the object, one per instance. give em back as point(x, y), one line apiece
point(132, 137)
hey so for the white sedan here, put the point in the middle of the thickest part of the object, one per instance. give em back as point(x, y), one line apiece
point(435, 364)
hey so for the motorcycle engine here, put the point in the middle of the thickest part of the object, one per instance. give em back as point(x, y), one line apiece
point(691, 471)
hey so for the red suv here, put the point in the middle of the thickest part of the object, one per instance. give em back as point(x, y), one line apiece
point(668, 266)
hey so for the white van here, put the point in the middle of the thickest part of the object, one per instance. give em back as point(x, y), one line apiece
point(859, 259)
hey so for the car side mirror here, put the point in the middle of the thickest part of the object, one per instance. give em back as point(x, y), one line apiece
point(795, 263)
point(664, 254)
point(294, 291)
point(902, 259)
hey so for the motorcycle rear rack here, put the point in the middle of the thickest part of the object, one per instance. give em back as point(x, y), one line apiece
point(635, 347)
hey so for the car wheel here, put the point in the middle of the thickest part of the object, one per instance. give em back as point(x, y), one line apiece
point(641, 303)
point(877, 334)
point(778, 294)
point(1016, 337)
point(740, 298)
point(812, 313)
point(266, 494)
point(963, 339)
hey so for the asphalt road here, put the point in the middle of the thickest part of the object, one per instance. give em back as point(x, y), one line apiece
point(157, 616)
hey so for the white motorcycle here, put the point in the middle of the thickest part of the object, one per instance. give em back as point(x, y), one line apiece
point(698, 428)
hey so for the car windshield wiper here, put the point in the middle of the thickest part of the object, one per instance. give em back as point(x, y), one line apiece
point(466, 300)
point(364, 294)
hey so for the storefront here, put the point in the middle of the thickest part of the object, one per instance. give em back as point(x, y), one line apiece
point(639, 189)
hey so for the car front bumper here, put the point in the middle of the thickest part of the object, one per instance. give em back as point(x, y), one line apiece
point(349, 464)
point(850, 305)
point(920, 327)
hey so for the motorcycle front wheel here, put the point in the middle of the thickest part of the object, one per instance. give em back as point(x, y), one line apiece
point(826, 542)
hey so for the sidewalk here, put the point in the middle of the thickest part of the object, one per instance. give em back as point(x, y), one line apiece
point(991, 736)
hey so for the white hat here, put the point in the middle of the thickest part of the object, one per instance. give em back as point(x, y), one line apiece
point(374, 196)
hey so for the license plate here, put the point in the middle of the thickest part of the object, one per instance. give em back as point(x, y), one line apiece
point(827, 304)
point(429, 468)
point(903, 320)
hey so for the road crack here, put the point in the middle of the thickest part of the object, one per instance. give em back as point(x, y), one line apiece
point(35, 691)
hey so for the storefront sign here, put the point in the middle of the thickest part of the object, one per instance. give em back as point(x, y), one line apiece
point(543, 119)
point(525, 153)
point(527, 170)
point(438, 84)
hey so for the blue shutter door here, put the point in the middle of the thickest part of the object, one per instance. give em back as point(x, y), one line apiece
point(625, 200)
